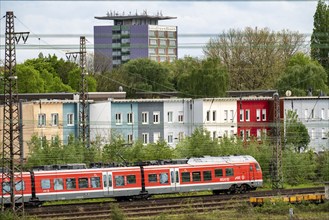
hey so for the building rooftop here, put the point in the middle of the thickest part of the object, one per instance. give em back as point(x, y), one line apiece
point(113, 15)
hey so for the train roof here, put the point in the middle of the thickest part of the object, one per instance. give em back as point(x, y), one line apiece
point(221, 160)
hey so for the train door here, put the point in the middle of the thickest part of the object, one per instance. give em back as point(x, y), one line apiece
point(174, 179)
point(251, 172)
point(107, 184)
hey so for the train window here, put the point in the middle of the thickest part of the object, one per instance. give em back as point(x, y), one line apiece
point(257, 166)
point(19, 186)
point(119, 181)
point(229, 172)
point(5, 187)
point(186, 177)
point(110, 180)
point(95, 182)
point(58, 184)
point(177, 177)
point(71, 183)
point(172, 176)
point(196, 176)
point(206, 175)
point(45, 184)
point(250, 167)
point(163, 178)
point(153, 178)
point(83, 183)
point(131, 179)
point(105, 180)
point(218, 172)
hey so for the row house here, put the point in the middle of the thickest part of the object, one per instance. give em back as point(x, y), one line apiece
point(147, 120)
point(49, 119)
point(313, 112)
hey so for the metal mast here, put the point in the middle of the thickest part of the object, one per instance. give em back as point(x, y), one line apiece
point(12, 158)
point(84, 130)
point(277, 173)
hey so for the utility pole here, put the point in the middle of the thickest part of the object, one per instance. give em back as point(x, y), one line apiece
point(12, 158)
point(277, 173)
point(84, 130)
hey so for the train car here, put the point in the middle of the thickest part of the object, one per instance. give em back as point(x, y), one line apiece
point(229, 174)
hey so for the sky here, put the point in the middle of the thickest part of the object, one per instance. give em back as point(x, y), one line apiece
point(55, 26)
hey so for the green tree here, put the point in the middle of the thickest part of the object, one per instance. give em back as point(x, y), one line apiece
point(255, 58)
point(320, 36)
point(301, 75)
point(207, 78)
point(296, 134)
point(30, 80)
point(158, 151)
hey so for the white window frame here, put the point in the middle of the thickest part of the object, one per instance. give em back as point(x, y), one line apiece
point(70, 119)
point(242, 134)
point(145, 137)
point(156, 117)
point(130, 118)
point(264, 114)
point(306, 114)
point(118, 118)
point(170, 138)
point(312, 133)
point(214, 135)
point(248, 134)
point(323, 133)
point(257, 114)
point(259, 134)
point(214, 116)
point(42, 120)
point(322, 113)
point(54, 119)
point(241, 115)
point(180, 117)
point(225, 115)
point(130, 138)
point(156, 137)
point(232, 115)
point(208, 116)
point(180, 135)
point(145, 117)
point(170, 117)
point(247, 114)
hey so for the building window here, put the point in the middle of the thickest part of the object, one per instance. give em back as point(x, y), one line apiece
point(163, 43)
point(180, 136)
point(322, 113)
point(241, 115)
point(208, 116)
point(130, 118)
point(225, 115)
point(156, 137)
point(247, 115)
point(161, 51)
point(153, 42)
point(170, 117)
point(170, 138)
point(130, 138)
point(170, 34)
point(312, 114)
point(248, 134)
point(70, 119)
point(231, 115)
point(145, 117)
point(172, 43)
point(156, 117)
point(264, 133)
point(214, 116)
point(42, 120)
point(259, 134)
point(264, 114)
point(214, 135)
point(257, 114)
point(161, 34)
point(118, 118)
point(54, 119)
point(323, 133)
point(242, 134)
point(145, 137)
point(171, 51)
point(180, 117)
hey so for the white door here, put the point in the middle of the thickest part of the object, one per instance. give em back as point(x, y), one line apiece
point(107, 184)
point(174, 179)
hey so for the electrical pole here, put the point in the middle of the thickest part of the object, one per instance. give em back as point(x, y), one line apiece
point(84, 130)
point(277, 173)
point(12, 158)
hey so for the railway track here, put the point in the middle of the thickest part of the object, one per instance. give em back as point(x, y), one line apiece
point(153, 207)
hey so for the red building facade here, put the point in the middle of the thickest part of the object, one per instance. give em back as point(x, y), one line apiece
point(255, 116)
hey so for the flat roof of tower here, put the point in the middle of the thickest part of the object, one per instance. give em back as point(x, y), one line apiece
point(129, 17)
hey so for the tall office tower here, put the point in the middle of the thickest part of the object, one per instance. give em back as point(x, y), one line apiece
point(132, 37)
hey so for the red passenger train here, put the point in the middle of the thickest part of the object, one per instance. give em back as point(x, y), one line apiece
point(227, 174)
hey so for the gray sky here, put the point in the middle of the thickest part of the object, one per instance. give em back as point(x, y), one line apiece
point(59, 24)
